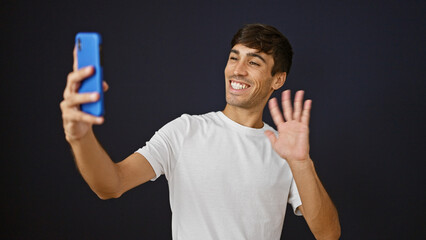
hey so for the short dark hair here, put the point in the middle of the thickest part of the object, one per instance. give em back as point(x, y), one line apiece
point(269, 40)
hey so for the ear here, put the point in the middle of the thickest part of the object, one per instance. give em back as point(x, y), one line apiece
point(279, 80)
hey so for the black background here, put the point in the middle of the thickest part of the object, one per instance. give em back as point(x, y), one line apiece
point(361, 62)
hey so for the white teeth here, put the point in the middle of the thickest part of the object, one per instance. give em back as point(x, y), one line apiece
point(238, 86)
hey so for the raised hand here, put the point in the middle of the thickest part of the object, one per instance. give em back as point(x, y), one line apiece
point(292, 142)
point(77, 123)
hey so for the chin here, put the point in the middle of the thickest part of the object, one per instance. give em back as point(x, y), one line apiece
point(237, 103)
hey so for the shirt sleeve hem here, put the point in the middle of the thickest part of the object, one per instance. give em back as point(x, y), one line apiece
point(155, 165)
point(295, 206)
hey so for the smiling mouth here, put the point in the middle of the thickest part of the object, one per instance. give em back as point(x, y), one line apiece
point(238, 85)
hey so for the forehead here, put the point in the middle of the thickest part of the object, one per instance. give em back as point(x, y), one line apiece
point(246, 51)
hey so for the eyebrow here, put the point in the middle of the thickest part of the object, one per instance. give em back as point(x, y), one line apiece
point(249, 54)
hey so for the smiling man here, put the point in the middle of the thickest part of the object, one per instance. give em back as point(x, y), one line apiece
point(230, 175)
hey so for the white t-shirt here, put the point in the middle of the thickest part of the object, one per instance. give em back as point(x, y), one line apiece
point(225, 180)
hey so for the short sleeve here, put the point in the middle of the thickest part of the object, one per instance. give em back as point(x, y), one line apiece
point(163, 148)
point(294, 198)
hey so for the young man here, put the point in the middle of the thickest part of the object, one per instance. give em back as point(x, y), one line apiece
point(230, 175)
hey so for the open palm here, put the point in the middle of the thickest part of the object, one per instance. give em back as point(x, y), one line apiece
point(292, 142)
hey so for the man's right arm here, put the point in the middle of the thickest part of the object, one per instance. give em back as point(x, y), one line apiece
point(105, 177)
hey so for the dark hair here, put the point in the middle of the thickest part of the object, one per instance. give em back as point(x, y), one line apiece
point(269, 40)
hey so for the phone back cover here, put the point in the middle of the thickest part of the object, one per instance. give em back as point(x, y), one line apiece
point(88, 54)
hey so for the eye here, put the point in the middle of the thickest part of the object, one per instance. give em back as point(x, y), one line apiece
point(254, 63)
point(233, 58)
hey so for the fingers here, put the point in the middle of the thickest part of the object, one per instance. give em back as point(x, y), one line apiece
point(75, 63)
point(298, 101)
point(105, 86)
point(76, 122)
point(74, 116)
point(306, 114)
point(74, 79)
point(71, 112)
point(286, 103)
point(276, 114)
point(301, 111)
point(77, 99)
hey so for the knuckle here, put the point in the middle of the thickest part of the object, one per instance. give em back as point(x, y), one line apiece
point(67, 94)
point(70, 100)
point(70, 76)
point(74, 77)
point(62, 104)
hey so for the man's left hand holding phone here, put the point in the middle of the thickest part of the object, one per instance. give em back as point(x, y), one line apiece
point(83, 104)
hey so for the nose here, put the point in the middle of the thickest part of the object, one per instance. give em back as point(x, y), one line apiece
point(240, 69)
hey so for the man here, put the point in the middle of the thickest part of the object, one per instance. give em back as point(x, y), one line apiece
point(226, 170)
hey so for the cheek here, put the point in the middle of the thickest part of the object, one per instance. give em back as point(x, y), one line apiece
point(263, 85)
point(228, 69)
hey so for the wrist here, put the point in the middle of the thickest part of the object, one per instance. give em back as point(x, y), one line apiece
point(78, 140)
point(300, 165)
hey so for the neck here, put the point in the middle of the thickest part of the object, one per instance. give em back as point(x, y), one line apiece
point(246, 117)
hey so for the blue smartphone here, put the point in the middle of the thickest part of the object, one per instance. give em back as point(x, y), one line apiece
point(89, 54)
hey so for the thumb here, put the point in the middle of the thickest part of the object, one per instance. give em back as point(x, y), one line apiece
point(105, 86)
point(271, 136)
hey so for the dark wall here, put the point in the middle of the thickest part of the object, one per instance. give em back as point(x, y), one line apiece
point(361, 62)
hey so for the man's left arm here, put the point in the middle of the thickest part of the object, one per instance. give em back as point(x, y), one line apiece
point(292, 144)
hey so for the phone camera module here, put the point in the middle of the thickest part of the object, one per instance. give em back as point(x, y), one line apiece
point(79, 44)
